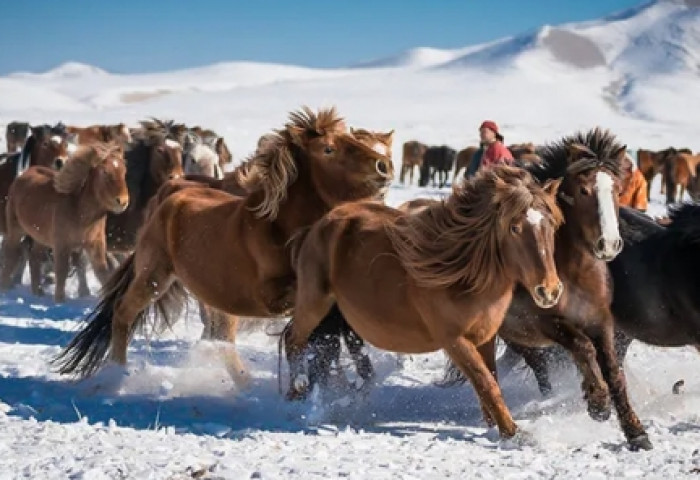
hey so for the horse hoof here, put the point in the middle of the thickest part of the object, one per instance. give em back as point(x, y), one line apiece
point(521, 439)
point(599, 413)
point(640, 442)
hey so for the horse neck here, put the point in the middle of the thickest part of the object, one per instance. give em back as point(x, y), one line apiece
point(302, 207)
point(570, 245)
point(89, 209)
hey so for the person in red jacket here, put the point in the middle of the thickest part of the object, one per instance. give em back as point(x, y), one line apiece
point(492, 143)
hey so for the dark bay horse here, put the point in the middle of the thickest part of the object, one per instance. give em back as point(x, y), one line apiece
point(438, 279)
point(16, 134)
point(232, 252)
point(66, 212)
point(412, 157)
point(437, 160)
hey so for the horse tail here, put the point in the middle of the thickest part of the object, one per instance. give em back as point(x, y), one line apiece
point(88, 349)
point(25, 156)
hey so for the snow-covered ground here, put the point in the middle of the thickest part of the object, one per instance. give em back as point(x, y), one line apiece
point(176, 414)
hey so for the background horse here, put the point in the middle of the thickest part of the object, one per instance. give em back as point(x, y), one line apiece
point(65, 211)
point(653, 163)
point(200, 158)
point(437, 160)
point(680, 173)
point(16, 134)
point(101, 133)
point(231, 252)
point(438, 279)
point(412, 157)
point(464, 158)
point(211, 138)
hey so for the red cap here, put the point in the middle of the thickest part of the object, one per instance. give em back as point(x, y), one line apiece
point(490, 125)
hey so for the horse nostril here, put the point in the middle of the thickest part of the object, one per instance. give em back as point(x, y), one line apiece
point(619, 244)
point(600, 244)
point(541, 292)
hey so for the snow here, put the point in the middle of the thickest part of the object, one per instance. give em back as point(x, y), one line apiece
point(174, 412)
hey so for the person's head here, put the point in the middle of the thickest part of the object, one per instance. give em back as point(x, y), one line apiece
point(488, 132)
point(627, 166)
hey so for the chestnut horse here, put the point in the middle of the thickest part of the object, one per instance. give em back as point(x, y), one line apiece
point(464, 158)
point(16, 134)
point(413, 152)
point(582, 322)
point(652, 163)
point(65, 211)
point(439, 279)
point(101, 133)
point(680, 173)
point(231, 252)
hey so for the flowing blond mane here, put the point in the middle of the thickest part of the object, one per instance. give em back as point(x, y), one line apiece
point(272, 168)
point(74, 172)
point(457, 241)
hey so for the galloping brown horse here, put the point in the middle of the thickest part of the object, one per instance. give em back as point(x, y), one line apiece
point(582, 322)
point(65, 211)
point(413, 152)
point(231, 252)
point(439, 279)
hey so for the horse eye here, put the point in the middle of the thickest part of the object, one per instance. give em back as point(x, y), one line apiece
point(328, 150)
point(516, 229)
point(585, 191)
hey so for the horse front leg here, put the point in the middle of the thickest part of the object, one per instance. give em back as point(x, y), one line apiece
point(62, 265)
point(488, 355)
point(468, 359)
point(79, 262)
point(603, 338)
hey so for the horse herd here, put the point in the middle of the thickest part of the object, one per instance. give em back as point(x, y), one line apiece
point(679, 168)
point(300, 229)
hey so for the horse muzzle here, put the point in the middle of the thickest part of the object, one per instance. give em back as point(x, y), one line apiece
point(607, 249)
point(546, 297)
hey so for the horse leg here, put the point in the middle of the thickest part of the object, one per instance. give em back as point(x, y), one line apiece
point(622, 344)
point(663, 185)
point(488, 355)
point(12, 255)
point(62, 265)
point(356, 347)
point(222, 327)
point(584, 354)
point(402, 176)
point(78, 261)
point(324, 348)
point(37, 253)
point(536, 359)
point(97, 254)
point(467, 358)
point(614, 375)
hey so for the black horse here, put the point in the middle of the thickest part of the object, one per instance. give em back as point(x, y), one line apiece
point(438, 160)
point(15, 135)
point(656, 296)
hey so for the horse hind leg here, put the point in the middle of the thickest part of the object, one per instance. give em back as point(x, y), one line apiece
point(221, 326)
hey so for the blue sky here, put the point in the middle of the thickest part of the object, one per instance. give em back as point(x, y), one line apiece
point(141, 35)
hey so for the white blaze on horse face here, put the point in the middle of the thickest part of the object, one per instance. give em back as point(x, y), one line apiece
point(57, 139)
point(115, 163)
point(71, 148)
point(379, 148)
point(171, 143)
point(606, 209)
point(534, 217)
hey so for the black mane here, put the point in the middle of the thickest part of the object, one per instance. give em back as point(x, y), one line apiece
point(685, 223)
point(555, 157)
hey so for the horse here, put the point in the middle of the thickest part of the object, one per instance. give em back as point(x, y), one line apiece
point(520, 149)
point(436, 160)
point(153, 157)
point(46, 146)
point(413, 152)
point(199, 157)
point(464, 158)
point(101, 133)
point(65, 211)
point(652, 163)
point(187, 241)
point(680, 173)
point(582, 322)
point(656, 297)
point(438, 279)
point(16, 134)
point(218, 143)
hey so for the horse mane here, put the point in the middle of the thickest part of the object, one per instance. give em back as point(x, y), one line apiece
point(457, 241)
point(155, 131)
point(685, 223)
point(636, 226)
point(556, 160)
point(74, 173)
point(272, 168)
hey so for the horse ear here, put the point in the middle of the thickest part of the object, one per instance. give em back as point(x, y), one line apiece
point(620, 153)
point(552, 186)
point(387, 137)
point(578, 151)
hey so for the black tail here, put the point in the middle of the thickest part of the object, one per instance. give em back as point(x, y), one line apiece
point(88, 350)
